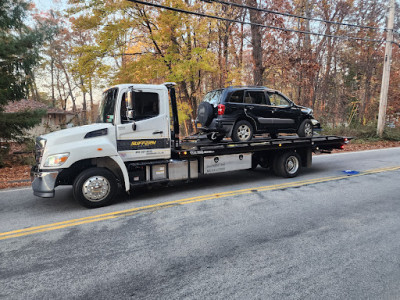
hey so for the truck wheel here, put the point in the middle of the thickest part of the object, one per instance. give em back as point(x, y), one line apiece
point(95, 187)
point(254, 163)
point(242, 131)
point(287, 164)
point(305, 129)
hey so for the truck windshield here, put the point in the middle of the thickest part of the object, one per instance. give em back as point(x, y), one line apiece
point(213, 97)
point(106, 109)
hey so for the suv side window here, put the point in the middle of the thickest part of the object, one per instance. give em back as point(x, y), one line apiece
point(256, 97)
point(236, 97)
point(278, 100)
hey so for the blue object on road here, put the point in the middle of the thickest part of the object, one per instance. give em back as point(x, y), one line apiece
point(350, 172)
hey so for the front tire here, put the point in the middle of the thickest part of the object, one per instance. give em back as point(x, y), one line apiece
point(95, 187)
point(305, 129)
point(242, 131)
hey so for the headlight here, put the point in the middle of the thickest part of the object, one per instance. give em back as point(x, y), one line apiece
point(307, 111)
point(314, 122)
point(56, 160)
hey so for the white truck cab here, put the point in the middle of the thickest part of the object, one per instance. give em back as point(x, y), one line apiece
point(133, 124)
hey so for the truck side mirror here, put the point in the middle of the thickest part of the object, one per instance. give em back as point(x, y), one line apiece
point(130, 114)
point(130, 95)
point(130, 99)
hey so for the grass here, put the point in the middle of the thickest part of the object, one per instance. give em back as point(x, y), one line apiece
point(363, 133)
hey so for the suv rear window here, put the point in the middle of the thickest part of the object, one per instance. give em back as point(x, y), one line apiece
point(213, 97)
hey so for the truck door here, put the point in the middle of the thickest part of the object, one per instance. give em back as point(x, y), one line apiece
point(146, 135)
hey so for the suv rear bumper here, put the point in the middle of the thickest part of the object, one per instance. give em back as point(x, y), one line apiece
point(219, 125)
point(43, 182)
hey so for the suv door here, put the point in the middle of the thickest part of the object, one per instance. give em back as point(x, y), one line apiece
point(257, 107)
point(234, 106)
point(285, 114)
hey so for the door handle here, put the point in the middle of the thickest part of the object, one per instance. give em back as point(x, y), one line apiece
point(249, 107)
point(158, 132)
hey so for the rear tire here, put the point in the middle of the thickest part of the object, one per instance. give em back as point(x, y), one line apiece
point(95, 187)
point(305, 129)
point(287, 164)
point(242, 131)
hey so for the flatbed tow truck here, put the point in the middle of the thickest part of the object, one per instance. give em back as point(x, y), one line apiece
point(133, 145)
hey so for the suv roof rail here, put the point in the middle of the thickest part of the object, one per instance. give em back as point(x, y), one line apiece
point(249, 86)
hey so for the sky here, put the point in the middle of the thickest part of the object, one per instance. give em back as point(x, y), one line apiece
point(43, 5)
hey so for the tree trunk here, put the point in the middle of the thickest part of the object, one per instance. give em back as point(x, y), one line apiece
point(257, 51)
point(84, 118)
point(53, 100)
point(91, 101)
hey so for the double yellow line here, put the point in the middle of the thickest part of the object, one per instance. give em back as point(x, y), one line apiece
point(153, 207)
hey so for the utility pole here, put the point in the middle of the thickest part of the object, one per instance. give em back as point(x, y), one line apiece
point(386, 71)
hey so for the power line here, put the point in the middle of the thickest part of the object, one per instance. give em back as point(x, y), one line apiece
point(292, 15)
point(254, 24)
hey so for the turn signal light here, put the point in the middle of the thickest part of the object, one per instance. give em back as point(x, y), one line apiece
point(221, 109)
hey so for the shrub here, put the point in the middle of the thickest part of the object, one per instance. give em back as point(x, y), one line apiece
point(364, 133)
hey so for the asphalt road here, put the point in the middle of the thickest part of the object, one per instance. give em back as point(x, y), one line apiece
point(242, 235)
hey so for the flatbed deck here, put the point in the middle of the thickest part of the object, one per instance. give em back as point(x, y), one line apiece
point(194, 148)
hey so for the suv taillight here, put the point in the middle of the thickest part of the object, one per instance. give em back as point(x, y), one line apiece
point(221, 109)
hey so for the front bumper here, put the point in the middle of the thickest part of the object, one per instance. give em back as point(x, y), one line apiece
point(43, 182)
point(316, 124)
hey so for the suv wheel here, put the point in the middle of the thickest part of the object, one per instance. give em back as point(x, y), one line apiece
point(242, 131)
point(305, 129)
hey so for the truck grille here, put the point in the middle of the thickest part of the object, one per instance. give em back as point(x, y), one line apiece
point(39, 148)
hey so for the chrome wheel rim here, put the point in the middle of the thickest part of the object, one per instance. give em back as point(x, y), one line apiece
point(96, 188)
point(292, 164)
point(308, 130)
point(243, 132)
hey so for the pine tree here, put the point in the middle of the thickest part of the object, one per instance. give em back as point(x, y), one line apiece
point(19, 54)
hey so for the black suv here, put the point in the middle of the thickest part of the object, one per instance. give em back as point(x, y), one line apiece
point(240, 112)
